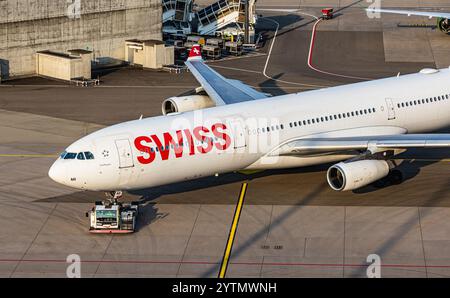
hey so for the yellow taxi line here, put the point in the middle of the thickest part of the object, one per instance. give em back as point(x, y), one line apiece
point(28, 155)
point(231, 236)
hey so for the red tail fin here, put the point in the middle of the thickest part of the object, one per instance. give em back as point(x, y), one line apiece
point(195, 52)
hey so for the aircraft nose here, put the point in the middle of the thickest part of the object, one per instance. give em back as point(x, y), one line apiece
point(57, 172)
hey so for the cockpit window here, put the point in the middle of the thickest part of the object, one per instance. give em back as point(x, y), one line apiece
point(70, 155)
point(79, 155)
point(89, 155)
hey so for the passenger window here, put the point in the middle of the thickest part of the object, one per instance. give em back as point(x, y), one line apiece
point(282, 126)
point(295, 124)
point(80, 156)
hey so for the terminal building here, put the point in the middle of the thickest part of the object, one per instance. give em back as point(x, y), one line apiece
point(33, 30)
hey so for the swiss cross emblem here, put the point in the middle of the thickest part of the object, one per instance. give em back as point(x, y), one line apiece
point(196, 51)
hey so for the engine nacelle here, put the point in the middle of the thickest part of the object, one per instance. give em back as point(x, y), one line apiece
point(444, 25)
point(186, 103)
point(354, 175)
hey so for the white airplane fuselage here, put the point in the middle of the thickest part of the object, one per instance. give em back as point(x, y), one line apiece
point(125, 155)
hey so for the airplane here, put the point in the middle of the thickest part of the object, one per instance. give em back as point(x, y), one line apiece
point(443, 18)
point(226, 126)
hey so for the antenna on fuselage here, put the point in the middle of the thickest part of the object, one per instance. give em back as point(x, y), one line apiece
point(140, 118)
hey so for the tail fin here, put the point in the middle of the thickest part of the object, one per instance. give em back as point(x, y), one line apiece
point(195, 53)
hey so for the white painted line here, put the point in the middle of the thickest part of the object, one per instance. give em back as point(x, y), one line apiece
point(311, 48)
point(237, 69)
point(268, 59)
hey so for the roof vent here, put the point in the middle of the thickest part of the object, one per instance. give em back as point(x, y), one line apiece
point(429, 71)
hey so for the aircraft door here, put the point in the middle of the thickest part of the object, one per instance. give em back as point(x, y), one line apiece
point(125, 153)
point(390, 108)
point(238, 131)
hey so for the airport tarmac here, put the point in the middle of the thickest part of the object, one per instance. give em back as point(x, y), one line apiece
point(292, 224)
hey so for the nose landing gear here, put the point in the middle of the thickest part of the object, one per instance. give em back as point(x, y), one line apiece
point(114, 196)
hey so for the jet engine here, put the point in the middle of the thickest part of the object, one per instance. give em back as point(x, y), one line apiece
point(444, 25)
point(186, 103)
point(353, 175)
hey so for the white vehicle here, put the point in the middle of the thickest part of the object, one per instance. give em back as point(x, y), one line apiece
point(443, 18)
point(229, 126)
point(112, 217)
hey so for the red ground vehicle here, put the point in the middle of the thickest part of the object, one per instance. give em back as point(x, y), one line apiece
point(327, 13)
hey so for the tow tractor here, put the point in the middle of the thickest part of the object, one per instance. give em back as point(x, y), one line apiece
point(113, 217)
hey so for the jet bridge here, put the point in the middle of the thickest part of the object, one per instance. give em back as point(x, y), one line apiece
point(223, 13)
point(177, 10)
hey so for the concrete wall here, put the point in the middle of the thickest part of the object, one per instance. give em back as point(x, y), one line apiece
point(28, 26)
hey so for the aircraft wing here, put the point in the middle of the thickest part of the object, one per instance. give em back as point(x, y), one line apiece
point(220, 89)
point(430, 14)
point(314, 146)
